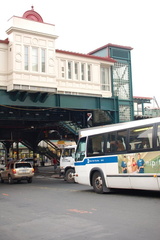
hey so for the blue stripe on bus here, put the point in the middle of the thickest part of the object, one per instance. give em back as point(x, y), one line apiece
point(110, 159)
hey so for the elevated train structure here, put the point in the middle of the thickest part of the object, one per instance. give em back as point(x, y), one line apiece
point(46, 93)
point(30, 125)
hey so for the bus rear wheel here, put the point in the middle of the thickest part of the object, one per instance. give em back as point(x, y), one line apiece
point(97, 182)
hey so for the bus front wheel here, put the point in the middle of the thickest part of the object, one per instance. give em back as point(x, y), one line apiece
point(97, 182)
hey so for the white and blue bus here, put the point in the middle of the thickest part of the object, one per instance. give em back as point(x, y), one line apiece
point(124, 155)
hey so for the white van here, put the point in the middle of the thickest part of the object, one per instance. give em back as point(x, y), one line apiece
point(67, 163)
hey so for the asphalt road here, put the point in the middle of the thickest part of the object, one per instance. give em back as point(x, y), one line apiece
point(52, 209)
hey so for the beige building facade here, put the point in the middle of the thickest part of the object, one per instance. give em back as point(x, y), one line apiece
point(30, 62)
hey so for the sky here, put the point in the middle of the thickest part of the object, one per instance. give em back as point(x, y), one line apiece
point(85, 25)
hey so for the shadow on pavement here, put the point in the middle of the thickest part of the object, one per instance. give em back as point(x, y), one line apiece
point(48, 171)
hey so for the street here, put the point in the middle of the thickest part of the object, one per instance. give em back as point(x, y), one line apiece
point(50, 208)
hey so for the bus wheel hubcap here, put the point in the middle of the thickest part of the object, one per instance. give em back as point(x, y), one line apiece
point(99, 182)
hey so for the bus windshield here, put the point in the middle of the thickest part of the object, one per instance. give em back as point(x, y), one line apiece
point(80, 152)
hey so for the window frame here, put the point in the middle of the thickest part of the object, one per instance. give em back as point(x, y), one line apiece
point(69, 65)
point(26, 58)
point(43, 60)
point(35, 58)
point(76, 70)
point(89, 72)
point(83, 71)
point(105, 78)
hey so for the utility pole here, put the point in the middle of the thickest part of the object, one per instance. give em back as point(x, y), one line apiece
point(154, 98)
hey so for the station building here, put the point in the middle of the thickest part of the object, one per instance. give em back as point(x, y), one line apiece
point(30, 63)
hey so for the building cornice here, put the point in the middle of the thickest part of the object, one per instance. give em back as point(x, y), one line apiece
point(21, 30)
point(110, 45)
point(108, 59)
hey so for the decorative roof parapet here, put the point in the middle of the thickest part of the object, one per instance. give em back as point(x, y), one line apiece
point(32, 15)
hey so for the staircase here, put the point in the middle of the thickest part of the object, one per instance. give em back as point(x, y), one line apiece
point(69, 128)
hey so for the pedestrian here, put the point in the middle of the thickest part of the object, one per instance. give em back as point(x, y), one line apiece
point(2, 160)
point(55, 162)
point(35, 163)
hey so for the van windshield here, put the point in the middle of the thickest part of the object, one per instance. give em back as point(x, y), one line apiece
point(68, 152)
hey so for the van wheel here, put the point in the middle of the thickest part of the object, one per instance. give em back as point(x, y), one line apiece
point(2, 181)
point(29, 180)
point(69, 175)
point(97, 182)
point(10, 180)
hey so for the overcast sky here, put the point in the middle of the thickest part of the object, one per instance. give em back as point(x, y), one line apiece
point(85, 25)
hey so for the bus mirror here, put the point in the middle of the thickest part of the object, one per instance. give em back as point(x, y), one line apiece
point(73, 155)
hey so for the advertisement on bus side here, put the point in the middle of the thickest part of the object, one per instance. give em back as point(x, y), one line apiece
point(142, 162)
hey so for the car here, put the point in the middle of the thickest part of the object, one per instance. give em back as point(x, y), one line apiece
point(17, 171)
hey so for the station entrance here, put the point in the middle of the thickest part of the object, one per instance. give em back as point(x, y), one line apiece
point(57, 117)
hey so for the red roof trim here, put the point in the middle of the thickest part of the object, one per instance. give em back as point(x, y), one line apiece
point(35, 21)
point(147, 98)
point(4, 41)
point(110, 45)
point(108, 59)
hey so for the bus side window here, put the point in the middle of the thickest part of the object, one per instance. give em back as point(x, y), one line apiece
point(158, 136)
point(116, 141)
point(141, 138)
point(121, 140)
point(111, 142)
point(107, 146)
point(113, 146)
point(95, 146)
point(120, 145)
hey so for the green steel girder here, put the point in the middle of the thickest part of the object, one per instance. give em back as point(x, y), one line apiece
point(44, 100)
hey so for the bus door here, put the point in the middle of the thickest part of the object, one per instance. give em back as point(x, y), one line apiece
point(80, 162)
